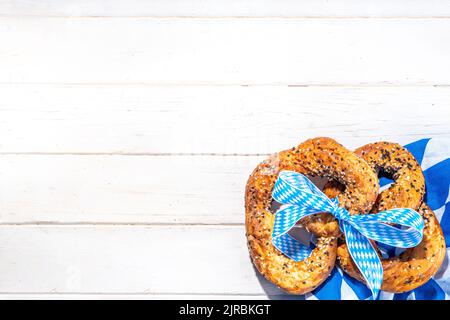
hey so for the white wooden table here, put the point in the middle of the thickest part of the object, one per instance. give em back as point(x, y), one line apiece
point(128, 128)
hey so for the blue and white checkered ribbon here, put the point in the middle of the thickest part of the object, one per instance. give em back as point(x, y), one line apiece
point(302, 198)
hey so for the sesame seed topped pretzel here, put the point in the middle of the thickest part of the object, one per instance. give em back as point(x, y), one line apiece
point(408, 188)
point(322, 157)
point(415, 266)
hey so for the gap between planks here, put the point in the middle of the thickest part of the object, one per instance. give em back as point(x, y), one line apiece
point(146, 154)
point(121, 224)
point(139, 296)
point(218, 17)
point(348, 85)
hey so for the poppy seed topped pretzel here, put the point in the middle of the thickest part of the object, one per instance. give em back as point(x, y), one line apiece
point(321, 157)
point(417, 265)
point(414, 266)
point(408, 188)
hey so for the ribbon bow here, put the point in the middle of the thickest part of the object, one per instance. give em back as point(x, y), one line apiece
point(302, 198)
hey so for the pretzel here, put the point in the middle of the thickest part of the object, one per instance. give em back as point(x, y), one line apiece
point(322, 157)
point(415, 266)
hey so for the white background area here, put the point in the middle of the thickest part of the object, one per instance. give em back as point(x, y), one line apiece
point(128, 129)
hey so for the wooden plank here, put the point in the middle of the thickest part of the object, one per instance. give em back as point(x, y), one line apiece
point(98, 296)
point(73, 189)
point(221, 8)
point(123, 189)
point(139, 119)
point(128, 260)
point(225, 51)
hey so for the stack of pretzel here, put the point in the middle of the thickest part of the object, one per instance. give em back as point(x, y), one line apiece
point(353, 178)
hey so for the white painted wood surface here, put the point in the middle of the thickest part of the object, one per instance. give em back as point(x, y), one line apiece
point(123, 189)
point(115, 259)
point(221, 8)
point(250, 52)
point(128, 128)
point(140, 119)
point(73, 189)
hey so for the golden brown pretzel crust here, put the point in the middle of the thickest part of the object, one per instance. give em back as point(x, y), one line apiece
point(408, 188)
point(414, 267)
point(317, 157)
